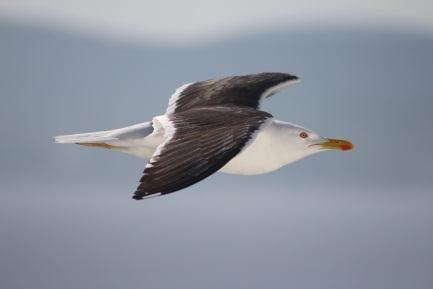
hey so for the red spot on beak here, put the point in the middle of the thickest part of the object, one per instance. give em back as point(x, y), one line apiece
point(346, 147)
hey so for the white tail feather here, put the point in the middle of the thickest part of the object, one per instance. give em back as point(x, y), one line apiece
point(99, 136)
point(136, 131)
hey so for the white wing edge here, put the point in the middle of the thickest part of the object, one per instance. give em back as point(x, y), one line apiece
point(279, 87)
point(161, 124)
point(174, 97)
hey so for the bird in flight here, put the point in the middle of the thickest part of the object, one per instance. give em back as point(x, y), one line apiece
point(209, 126)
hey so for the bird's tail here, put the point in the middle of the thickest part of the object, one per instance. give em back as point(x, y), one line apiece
point(108, 137)
point(89, 137)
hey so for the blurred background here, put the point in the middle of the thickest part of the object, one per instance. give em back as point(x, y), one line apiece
point(361, 219)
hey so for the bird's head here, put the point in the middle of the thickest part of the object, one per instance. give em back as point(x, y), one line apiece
point(302, 142)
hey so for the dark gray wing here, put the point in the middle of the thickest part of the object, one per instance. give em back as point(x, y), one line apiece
point(203, 140)
point(245, 91)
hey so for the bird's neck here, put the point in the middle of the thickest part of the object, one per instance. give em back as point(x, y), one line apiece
point(283, 146)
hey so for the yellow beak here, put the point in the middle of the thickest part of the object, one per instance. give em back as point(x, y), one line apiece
point(336, 144)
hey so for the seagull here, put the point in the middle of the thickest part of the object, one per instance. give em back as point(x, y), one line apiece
point(209, 126)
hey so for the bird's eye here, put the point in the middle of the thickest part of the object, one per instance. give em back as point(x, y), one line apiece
point(303, 134)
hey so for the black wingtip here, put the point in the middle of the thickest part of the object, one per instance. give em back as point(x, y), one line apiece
point(140, 195)
point(279, 76)
point(289, 77)
point(135, 197)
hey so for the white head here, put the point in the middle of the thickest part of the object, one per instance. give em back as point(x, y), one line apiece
point(300, 142)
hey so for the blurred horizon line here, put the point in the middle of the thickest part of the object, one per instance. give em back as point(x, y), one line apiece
point(199, 40)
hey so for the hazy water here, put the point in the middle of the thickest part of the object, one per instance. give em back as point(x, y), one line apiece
point(95, 236)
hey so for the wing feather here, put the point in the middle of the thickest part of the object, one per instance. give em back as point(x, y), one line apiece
point(244, 91)
point(203, 141)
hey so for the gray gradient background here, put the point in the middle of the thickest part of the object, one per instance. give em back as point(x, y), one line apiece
point(360, 219)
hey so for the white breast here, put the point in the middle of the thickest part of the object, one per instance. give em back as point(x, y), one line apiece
point(262, 155)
